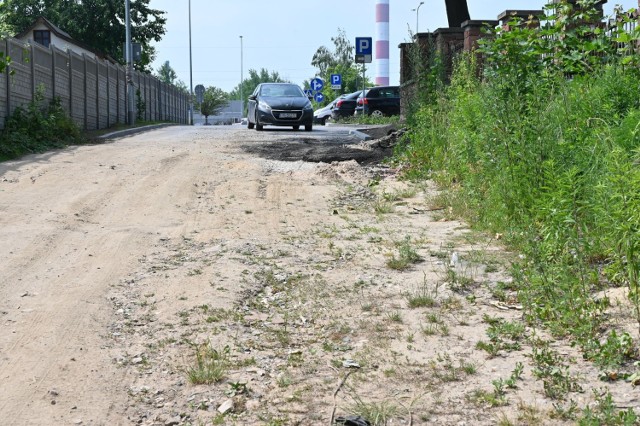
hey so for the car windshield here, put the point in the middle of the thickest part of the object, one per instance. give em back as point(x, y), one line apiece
point(281, 90)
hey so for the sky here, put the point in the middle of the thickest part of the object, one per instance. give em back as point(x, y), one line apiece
point(283, 35)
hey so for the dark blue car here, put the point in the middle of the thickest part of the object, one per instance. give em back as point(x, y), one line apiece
point(279, 104)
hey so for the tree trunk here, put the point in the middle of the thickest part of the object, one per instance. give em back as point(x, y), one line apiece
point(457, 12)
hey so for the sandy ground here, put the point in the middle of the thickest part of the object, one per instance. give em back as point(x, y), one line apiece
point(124, 263)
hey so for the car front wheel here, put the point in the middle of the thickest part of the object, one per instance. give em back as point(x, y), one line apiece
point(308, 127)
point(258, 125)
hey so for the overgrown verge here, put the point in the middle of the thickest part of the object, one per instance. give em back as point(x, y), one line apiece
point(541, 147)
point(38, 127)
point(369, 119)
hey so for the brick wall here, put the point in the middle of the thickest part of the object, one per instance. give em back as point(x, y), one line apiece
point(92, 91)
point(447, 42)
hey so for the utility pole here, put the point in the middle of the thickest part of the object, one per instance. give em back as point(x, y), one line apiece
point(190, 72)
point(242, 79)
point(131, 105)
point(417, 11)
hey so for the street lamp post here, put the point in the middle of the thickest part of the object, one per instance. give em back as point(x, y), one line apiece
point(241, 80)
point(131, 114)
point(190, 72)
point(417, 11)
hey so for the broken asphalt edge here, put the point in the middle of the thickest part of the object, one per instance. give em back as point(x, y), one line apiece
point(360, 135)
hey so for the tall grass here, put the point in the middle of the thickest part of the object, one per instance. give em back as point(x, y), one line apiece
point(547, 153)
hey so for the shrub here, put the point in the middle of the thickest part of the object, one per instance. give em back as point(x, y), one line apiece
point(37, 128)
point(544, 149)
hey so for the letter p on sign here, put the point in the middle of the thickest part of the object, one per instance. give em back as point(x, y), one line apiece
point(364, 45)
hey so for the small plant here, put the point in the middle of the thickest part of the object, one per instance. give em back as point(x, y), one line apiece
point(430, 329)
point(382, 207)
point(411, 337)
point(423, 296)
point(395, 317)
point(516, 374)
point(446, 370)
point(613, 352)
point(555, 376)
point(503, 335)
point(236, 388)
point(211, 365)
point(605, 413)
point(407, 256)
point(141, 106)
point(564, 411)
point(377, 413)
point(493, 399)
point(284, 381)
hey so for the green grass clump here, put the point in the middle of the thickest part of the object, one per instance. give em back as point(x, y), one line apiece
point(407, 256)
point(210, 365)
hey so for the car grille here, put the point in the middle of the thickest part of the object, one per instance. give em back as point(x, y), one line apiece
point(287, 114)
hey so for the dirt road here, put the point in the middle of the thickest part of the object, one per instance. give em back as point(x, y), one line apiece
point(76, 223)
point(189, 276)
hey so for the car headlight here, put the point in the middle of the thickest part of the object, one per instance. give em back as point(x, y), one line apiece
point(308, 106)
point(264, 106)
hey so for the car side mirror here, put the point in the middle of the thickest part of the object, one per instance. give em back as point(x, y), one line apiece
point(252, 97)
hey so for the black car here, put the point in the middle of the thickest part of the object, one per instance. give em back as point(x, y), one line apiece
point(345, 106)
point(379, 101)
point(279, 104)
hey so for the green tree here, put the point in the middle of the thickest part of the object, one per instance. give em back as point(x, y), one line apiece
point(213, 101)
point(255, 77)
point(341, 61)
point(166, 74)
point(343, 52)
point(99, 24)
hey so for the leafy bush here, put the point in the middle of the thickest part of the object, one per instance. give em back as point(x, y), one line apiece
point(543, 146)
point(37, 128)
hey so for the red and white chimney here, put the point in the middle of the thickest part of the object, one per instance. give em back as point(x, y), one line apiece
point(382, 42)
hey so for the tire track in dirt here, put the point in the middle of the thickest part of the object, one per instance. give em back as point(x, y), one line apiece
point(94, 225)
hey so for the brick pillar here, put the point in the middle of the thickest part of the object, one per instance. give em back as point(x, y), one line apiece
point(473, 31)
point(523, 15)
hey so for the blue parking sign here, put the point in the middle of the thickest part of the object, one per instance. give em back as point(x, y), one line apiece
point(364, 50)
point(336, 81)
point(364, 45)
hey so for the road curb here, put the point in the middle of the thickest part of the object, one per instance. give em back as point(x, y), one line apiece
point(360, 135)
point(129, 132)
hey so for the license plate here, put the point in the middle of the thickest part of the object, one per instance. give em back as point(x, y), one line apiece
point(288, 115)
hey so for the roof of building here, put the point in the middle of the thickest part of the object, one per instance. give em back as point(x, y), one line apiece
point(62, 35)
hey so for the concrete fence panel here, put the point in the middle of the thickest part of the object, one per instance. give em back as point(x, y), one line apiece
point(60, 78)
point(92, 91)
point(77, 89)
point(21, 85)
